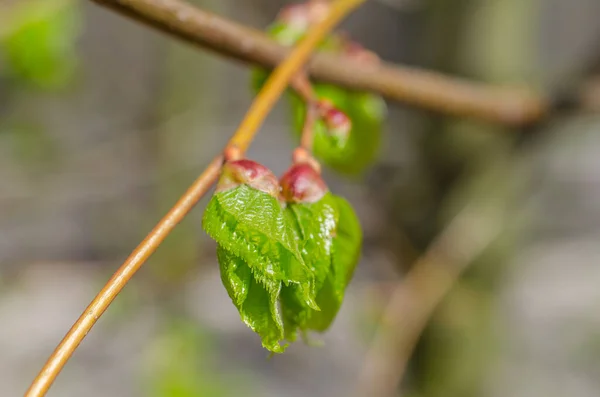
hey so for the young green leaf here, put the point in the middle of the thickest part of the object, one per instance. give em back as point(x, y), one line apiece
point(326, 225)
point(347, 245)
point(315, 224)
point(332, 238)
point(251, 225)
point(349, 153)
point(255, 299)
point(258, 250)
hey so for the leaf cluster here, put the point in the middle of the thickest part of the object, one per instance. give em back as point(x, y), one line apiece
point(366, 111)
point(285, 265)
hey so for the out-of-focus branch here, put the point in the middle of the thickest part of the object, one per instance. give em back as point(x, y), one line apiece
point(589, 95)
point(434, 91)
point(415, 298)
point(236, 147)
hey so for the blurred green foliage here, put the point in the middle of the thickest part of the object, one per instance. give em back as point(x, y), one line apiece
point(181, 365)
point(37, 41)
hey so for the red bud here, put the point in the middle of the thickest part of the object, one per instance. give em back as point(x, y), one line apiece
point(337, 122)
point(302, 184)
point(295, 15)
point(248, 172)
point(302, 15)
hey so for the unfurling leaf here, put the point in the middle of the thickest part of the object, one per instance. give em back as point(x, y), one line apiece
point(257, 250)
point(349, 152)
point(256, 300)
point(299, 256)
point(331, 241)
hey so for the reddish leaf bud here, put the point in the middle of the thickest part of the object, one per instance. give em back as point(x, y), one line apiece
point(248, 172)
point(295, 15)
point(302, 15)
point(302, 184)
point(337, 122)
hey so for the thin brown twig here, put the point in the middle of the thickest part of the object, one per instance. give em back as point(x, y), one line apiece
point(590, 94)
point(261, 106)
point(430, 90)
point(415, 298)
point(303, 87)
point(308, 128)
point(132, 264)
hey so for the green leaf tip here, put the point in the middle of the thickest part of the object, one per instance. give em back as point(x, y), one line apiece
point(254, 297)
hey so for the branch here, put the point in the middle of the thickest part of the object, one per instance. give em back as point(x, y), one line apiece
point(589, 94)
point(240, 141)
point(433, 91)
point(303, 87)
point(415, 298)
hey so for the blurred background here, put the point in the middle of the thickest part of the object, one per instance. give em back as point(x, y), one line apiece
point(104, 123)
